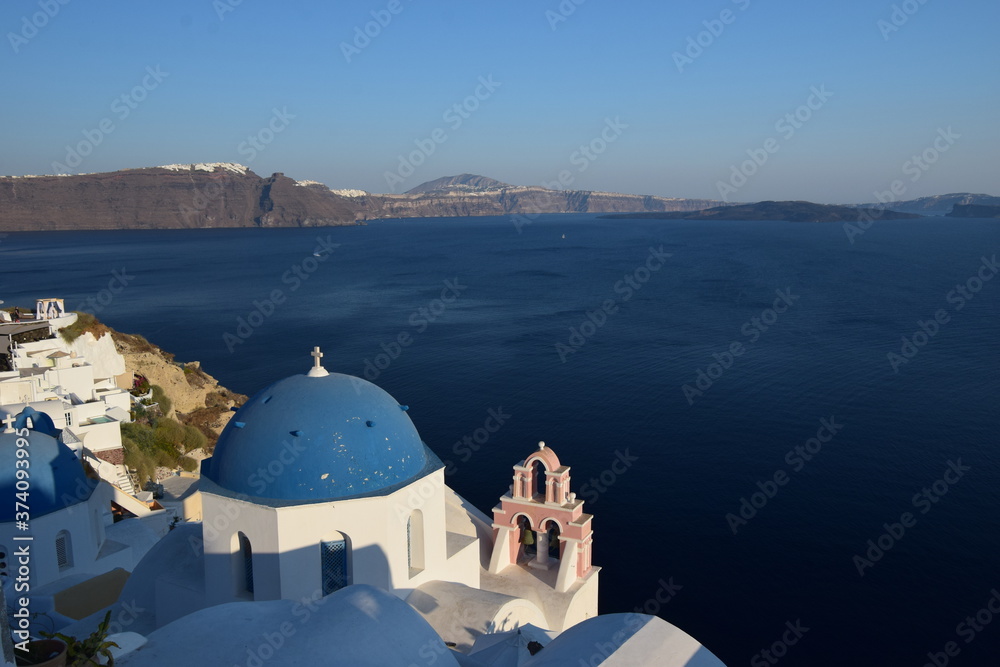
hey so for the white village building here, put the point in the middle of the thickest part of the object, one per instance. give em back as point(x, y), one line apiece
point(329, 536)
point(79, 387)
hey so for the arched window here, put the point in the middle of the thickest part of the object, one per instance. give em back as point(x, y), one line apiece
point(246, 562)
point(526, 536)
point(553, 532)
point(64, 550)
point(415, 542)
point(335, 562)
point(538, 473)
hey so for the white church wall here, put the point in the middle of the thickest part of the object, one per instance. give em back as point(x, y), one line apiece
point(285, 541)
point(225, 519)
point(83, 545)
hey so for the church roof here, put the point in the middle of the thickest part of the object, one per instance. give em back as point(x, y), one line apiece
point(57, 478)
point(319, 436)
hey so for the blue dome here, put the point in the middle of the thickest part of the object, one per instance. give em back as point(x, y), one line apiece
point(57, 476)
point(309, 438)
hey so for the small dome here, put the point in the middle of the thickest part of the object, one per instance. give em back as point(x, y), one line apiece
point(315, 437)
point(57, 477)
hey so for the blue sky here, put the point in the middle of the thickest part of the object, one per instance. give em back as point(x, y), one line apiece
point(559, 71)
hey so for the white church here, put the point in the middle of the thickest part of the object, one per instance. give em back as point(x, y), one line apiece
point(330, 537)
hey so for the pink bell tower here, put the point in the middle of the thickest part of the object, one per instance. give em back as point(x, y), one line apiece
point(537, 509)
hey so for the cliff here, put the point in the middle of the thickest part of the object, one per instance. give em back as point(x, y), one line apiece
point(215, 195)
point(974, 211)
point(197, 398)
point(939, 204)
point(791, 211)
point(171, 197)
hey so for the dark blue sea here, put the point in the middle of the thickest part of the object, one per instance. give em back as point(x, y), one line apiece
point(811, 431)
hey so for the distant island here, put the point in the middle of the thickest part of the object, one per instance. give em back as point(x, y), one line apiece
point(791, 211)
point(224, 195)
point(974, 211)
point(214, 195)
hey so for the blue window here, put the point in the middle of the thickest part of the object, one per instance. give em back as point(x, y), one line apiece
point(333, 555)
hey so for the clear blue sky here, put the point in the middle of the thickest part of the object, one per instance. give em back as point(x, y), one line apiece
point(352, 120)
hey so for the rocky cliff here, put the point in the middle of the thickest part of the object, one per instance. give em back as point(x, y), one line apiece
point(787, 211)
point(230, 195)
point(197, 398)
point(938, 204)
point(974, 211)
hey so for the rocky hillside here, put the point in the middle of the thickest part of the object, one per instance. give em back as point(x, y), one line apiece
point(468, 182)
point(940, 204)
point(230, 195)
point(974, 211)
point(788, 211)
point(172, 197)
point(197, 398)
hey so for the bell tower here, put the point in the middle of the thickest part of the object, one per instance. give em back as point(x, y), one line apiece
point(539, 512)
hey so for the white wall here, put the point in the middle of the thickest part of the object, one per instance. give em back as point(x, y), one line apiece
point(285, 542)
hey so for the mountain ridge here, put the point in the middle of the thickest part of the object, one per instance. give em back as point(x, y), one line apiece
point(215, 195)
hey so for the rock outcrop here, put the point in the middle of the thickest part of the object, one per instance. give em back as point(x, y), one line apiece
point(974, 211)
point(197, 398)
point(216, 195)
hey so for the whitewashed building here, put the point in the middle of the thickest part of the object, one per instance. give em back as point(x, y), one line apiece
point(323, 511)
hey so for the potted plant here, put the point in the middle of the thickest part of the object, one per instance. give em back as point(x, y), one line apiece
point(41, 653)
point(85, 653)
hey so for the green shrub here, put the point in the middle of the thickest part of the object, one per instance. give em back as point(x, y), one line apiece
point(189, 464)
point(159, 396)
point(193, 438)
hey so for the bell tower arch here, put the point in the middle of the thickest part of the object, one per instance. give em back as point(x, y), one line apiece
point(540, 511)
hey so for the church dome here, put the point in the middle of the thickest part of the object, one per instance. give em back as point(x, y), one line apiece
point(319, 436)
point(57, 479)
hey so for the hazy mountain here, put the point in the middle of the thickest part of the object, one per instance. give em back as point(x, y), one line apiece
point(792, 211)
point(938, 204)
point(231, 195)
point(974, 211)
point(462, 182)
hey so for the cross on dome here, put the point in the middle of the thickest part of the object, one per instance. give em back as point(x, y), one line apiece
point(541, 445)
point(317, 371)
point(8, 421)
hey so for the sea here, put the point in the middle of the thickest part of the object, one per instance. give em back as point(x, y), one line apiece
point(787, 433)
